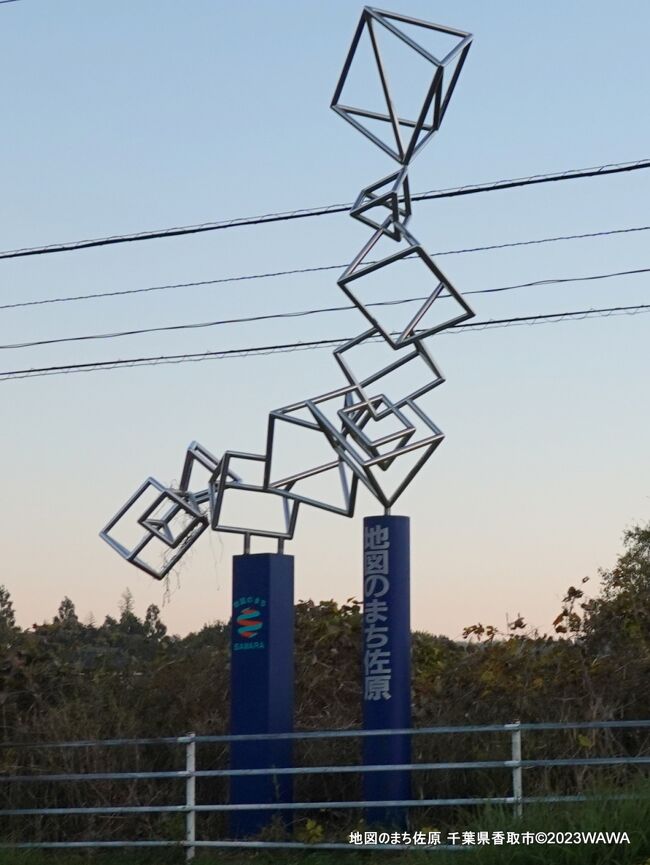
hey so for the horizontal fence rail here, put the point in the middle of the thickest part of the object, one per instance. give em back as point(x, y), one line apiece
point(190, 808)
point(331, 770)
point(335, 734)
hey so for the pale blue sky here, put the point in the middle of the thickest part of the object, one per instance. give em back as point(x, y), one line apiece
point(127, 116)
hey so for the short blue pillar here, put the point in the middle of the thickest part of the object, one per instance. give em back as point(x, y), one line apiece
point(261, 684)
point(386, 662)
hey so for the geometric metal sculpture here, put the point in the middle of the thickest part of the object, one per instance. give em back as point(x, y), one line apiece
point(174, 519)
point(415, 326)
point(397, 198)
point(403, 138)
point(225, 483)
point(361, 384)
point(303, 418)
point(369, 427)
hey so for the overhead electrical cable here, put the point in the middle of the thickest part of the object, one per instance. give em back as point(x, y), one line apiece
point(306, 312)
point(469, 189)
point(315, 269)
point(97, 366)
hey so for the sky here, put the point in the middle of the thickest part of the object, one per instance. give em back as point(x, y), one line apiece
point(123, 117)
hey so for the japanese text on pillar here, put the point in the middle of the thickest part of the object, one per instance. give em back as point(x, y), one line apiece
point(376, 660)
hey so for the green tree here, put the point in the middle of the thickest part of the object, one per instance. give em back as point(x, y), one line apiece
point(153, 625)
point(129, 623)
point(7, 615)
point(619, 619)
point(67, 615)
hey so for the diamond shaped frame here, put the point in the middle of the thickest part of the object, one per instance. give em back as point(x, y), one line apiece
point(180, 544)
point(365, 466)
point(434, 99)
point(357, 417)
point(160, 527)
point(357, 269)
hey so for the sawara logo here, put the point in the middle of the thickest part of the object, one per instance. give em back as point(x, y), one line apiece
point(248, 623)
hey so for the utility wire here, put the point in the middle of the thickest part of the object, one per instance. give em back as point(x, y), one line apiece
point(470, 189)
point(317, 269)
point(555, 317)
point(307, 312)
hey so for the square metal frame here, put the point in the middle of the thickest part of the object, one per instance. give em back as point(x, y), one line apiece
point(356, 270)
point(284, 486)
point(224, 479)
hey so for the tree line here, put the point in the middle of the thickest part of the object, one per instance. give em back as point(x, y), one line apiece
point(128, 676)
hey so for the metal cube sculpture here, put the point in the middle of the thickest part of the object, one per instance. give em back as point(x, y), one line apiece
point(368, 426)
point(300, 417)
point(415, 327)
point(404, 137)
point(225, 482)
point(396, 198)
point(161, 525)
point(418, 354)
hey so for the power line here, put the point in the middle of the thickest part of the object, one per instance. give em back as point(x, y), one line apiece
point(469, 189)
point(306, 312)
point(316, 269)
point(554, 318)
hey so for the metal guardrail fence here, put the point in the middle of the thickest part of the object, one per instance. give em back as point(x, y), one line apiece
point(190, 808)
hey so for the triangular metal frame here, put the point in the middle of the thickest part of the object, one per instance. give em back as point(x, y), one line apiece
point(396, 198)
point(434, 101)
point(401, 152)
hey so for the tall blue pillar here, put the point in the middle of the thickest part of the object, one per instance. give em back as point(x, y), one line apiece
point(386, 662)
point(261, 684)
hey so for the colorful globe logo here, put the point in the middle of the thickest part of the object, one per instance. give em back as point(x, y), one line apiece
point(248, 622)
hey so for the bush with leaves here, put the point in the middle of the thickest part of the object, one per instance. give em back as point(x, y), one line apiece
point(65, 680)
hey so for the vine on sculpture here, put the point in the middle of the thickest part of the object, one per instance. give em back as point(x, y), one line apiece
point(368, 428)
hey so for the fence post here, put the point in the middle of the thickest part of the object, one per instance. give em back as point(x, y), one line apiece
point(190, 797)
point(517, 779)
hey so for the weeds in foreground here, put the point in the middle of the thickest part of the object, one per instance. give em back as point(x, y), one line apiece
point(631, 816)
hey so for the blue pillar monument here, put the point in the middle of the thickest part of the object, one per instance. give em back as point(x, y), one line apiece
point(386, 661)
point(261, 684)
